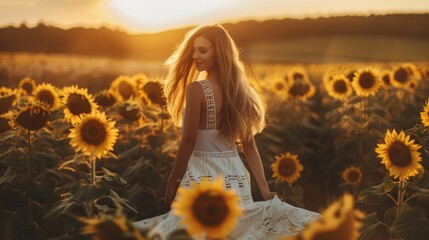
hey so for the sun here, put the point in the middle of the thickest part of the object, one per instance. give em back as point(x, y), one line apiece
point(154, 16)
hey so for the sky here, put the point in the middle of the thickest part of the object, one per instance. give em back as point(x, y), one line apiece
point(148, 16)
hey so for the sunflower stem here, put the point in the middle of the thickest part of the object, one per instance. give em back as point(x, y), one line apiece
point(401, 192)
point(161, 131)
point(92, 182)
point(29, 173)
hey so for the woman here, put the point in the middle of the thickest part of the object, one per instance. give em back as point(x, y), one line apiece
point(220, 110)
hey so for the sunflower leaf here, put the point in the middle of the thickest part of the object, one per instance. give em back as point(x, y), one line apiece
point(411, 224)
point(372, 195)
point(370, 224)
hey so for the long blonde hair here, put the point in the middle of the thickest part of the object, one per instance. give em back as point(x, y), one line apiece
point(243, 114)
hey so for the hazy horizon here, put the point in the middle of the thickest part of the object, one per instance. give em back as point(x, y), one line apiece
point(151, 16)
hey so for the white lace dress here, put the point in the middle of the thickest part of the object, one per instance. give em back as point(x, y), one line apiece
point(215, 156)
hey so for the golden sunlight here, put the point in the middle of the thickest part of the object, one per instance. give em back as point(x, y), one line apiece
point(162, 14)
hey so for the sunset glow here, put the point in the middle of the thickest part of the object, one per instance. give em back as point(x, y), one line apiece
point(137, 16)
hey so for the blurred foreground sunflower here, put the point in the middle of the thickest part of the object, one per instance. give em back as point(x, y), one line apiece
point(110, 228)
point(340, 221)
point(352, 175)
point(400, 155)
point(385, 77)
point(33, 116)
point(7, 99)
point(48, 94)
point(425, 114)
point(94, 134)
point(339, 87)
point(77, 102)
point(366, 81)
point(27, 85)
point(208, 208)
point(287, 168)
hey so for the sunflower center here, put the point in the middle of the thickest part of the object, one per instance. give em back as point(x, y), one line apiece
point(401, 75)
point(298, 76)
point(105, 100)
point(340, 86)
point(28, 87)
point(287, 167)
point(78, 104)
point(6, 103)
point(366, 80)
point(279, 86)
point(93, 132)
point(33, 118)
point(126, 90)
point(399, 154)
point(299, 89)
point(46, 96)
point(353, 176)
point(350, 76)
point(153, 91)
point(386, 79)
point(210, 208)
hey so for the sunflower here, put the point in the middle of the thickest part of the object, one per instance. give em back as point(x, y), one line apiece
point(366, 81)
point(77, 102)
point(339, 221)
point(94, 134)
point(130, 110)
point(352, 175)
point(339, 87)
point(385, 77)
point(27, 85)
point(106, 98)
point(425, 114)
point(208, 208)
point(279, 88)
point(7, 99)
point(287, 168)
point(298, 74)
point(400, 155)
point(405, 76)
point(110, 228)
point(140, 79)
point(153, 91)
point(125, 87)
point(33, 116)
point(47, 93)
point(301, 90)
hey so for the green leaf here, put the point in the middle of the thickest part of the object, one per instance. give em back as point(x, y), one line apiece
point(372, 195)
point(84, 192)
point(411, 224)
point(369, 226)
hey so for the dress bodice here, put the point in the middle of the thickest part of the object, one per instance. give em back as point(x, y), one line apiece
point(210, 139)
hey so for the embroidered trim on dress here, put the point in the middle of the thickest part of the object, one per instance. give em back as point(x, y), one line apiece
point(226, 154)
point(211, 108)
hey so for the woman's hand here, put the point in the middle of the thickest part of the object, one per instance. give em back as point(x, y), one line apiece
point(171, 190)
point(267, 195)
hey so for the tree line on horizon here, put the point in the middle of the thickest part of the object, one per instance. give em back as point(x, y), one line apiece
point(120, 44)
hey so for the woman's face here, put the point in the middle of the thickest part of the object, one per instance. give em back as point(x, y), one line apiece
point(204, 54)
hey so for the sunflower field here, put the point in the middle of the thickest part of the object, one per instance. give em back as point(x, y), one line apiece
point(86, 148)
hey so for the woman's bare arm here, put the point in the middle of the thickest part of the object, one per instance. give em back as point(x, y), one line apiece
point(255, 163)
point(189, 137)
